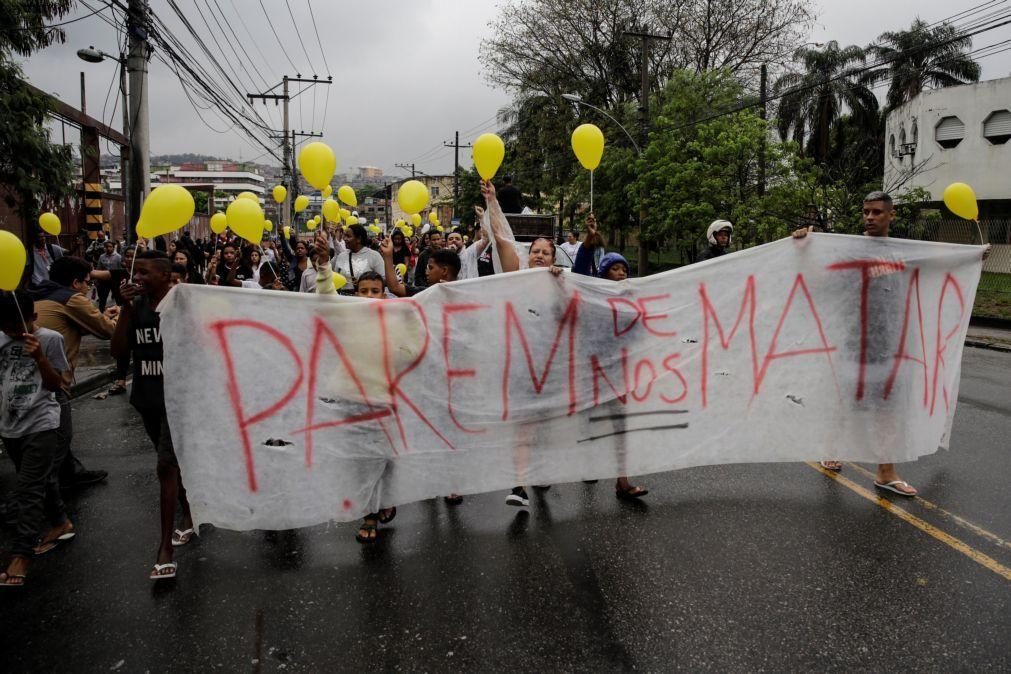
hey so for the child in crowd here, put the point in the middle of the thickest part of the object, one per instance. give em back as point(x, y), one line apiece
point(32, 369)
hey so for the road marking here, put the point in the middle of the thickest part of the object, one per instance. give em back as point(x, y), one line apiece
point(960, 521)
point(927, 528)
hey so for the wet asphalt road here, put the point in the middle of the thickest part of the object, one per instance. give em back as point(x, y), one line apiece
point(735, 568)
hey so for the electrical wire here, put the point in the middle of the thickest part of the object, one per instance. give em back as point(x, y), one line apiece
point(294, 24)
point(315, 27)
point(279, 43)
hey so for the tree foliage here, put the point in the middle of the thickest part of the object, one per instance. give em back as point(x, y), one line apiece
point(32, 170)
point(923, 57)
point(551, 47)
point(694, 172)
point(828, 86)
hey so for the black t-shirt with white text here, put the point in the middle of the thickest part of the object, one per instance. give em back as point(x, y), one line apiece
point(146, 348)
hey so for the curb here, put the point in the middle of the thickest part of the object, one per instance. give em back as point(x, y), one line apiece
point(93, 381)
point(992, 346)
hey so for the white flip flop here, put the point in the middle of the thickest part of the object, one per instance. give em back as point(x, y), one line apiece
point(892, 487)
point(156, 573)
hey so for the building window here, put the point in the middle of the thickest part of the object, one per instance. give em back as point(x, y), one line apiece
point(997, 127)
point(891, 145)
point(435, 191)
point(916, 133)
point(949, 132)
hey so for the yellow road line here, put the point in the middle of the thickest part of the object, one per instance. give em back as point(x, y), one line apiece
point(960, 521)
point(927, 528)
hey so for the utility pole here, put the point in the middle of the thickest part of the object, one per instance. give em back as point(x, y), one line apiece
point(290, 175)
point(644, 132)
point(405, 166)
point(763, 111)
point(456, 165)
point(139, 184)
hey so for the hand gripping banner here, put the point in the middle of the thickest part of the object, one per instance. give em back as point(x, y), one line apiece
point(289, 410)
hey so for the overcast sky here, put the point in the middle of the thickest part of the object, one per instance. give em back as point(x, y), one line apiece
point(406, 74)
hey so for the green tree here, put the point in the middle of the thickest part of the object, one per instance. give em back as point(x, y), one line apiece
point(32, 170)
point(695, 172)
point(814, 99)
point(922, 57)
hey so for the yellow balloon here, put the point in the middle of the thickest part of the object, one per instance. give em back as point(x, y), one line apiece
point(339, 281)
point(439, 228)
point(412, 196)
point(433, 218)
point(268, 225)
point(317, 163)
point(961, 200)
point(50, 223)
point(401, 270)
point(331, 210)
point(301, 203)
point(489, 151)
point(408, 231)
point(347, 194)
point(374, 229)
point(248, 195)
point(350, 220)
point(415, 219)
point(245, 218)
point(317, 219)
point(165, 210)
point(311, 225)
point(287, 232)
point(326, 191)
point(218, 222)
point(401, 223)
point(280, 193)
point(588, 144)
point(12, 260)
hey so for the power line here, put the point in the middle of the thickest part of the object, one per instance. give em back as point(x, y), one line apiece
point(845, 75)
point(279, 43)
point(320, 42)
point(299, 36)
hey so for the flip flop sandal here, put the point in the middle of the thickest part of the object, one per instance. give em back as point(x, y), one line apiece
point(7, 578)
point(371, 533)
point(181, 537)
point(386, 516)
point(894, 485)
point(837, 468)
point(48, 546)
point(631, 494)
point(164, 571)
point(453, 500)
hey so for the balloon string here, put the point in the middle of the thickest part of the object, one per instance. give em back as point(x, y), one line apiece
point(24, 323)
point(591, 190)
point(980, 231)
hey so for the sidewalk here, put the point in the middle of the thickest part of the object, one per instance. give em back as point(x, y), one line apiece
point(998, 339)
point(95, 366)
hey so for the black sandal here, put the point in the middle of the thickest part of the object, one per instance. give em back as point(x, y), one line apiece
point(455, 499)
point(371, 531)
point(386, 516)
point(631, 494)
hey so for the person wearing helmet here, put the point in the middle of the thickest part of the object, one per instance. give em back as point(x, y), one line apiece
point(720, 233)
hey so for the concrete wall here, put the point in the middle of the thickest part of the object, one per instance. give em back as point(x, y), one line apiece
point(975, 160)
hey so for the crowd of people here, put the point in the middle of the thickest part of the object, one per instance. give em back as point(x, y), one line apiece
point(69, 297)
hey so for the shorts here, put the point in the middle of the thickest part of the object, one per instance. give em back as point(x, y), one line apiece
point(156, 425)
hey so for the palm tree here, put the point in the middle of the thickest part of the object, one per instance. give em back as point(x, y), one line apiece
point(815, 98)
point(921, 58)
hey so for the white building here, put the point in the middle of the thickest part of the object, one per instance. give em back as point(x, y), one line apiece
point(955, 134)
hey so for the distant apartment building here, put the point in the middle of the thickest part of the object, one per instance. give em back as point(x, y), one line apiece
point(229, 177)
point(440, 198)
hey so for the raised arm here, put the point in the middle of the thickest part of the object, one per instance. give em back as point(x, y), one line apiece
point(500, 229)
point(393, 282)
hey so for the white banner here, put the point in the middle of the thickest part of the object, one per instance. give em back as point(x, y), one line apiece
point(289, 410)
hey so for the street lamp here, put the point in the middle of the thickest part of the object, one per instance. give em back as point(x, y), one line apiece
point(131, 202)
point(643, 260)
point(577, 99)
